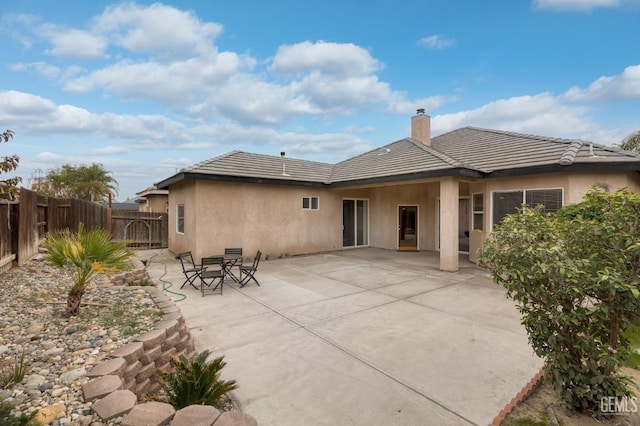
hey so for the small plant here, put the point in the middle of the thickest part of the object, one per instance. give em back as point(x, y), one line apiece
point(14, 372)
point(85, 254)
point(6, 419)
point(194, 381)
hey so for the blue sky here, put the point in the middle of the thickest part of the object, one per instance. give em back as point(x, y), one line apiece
point(148, 88)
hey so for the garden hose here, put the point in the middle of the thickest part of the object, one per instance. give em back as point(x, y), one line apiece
point(166, 285)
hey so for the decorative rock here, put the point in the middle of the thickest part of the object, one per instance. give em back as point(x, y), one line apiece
point(57, 392)
point(71, 329)
point(115, 404)
point(35, 328)
point(34, 381)
point(150, 413)
point(50, 413)
point(73, 375)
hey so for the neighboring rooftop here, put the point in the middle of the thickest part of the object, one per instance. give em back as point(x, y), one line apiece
point(469, 151)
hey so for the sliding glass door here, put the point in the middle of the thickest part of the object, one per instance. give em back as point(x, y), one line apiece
point(355, 223)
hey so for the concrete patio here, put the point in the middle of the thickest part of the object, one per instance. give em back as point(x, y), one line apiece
point(361, 337)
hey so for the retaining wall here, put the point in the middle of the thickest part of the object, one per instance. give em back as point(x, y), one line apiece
point(119, 383)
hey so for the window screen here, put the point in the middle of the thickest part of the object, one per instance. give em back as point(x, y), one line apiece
point(505, 203)
point(549, 199)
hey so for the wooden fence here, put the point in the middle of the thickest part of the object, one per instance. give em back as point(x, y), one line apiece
point(26, 222)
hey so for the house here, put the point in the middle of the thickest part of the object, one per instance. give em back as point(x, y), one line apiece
point(419, 193)
point(153, 200)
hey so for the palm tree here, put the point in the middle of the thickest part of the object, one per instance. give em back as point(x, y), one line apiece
point(94, 182)
point(84, 255)
point(631, 142)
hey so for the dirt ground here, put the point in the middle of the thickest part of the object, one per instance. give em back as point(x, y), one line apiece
point(543, 396)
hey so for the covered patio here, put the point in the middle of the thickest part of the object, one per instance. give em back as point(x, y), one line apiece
point(360, 337)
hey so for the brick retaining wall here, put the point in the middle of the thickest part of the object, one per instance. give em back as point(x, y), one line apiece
point(119, 383)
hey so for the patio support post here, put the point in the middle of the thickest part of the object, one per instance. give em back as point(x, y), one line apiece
point(449, 206)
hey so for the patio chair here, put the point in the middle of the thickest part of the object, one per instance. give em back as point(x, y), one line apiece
point(232, 252)
point(250, 271)
point(189, 269)
point(212, 270)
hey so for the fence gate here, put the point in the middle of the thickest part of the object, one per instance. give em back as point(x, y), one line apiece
point(140, 229)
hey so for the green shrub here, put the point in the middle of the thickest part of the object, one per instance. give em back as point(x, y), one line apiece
point(6, 419)
point(194, 381)
point(575, 278)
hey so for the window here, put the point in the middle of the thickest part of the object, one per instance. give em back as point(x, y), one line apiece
point(180, 218)
point(478, 211)
point(505, 203)
point(549, 199)
point(310, 203)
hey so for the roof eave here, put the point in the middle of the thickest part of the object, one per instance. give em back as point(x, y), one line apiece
point(238, 179)
point(459, 171)
point(558, 168)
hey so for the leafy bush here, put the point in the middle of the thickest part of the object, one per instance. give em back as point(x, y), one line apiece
point(194, 381)
point(575, 278)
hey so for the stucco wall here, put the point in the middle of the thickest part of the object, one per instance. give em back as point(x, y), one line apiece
point(269, 218)
point(182, 193)
point(575, 185)
point(384, 204)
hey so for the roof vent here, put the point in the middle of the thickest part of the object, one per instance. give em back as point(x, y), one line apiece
point(284, 167)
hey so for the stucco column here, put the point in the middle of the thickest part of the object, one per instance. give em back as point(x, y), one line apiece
point(449, 206)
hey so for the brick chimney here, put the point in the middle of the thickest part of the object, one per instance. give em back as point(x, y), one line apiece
point(421, 127)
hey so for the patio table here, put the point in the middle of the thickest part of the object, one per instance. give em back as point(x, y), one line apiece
point(230, 260)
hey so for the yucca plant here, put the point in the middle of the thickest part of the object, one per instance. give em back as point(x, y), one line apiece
point(85, 254)
point(194, 381)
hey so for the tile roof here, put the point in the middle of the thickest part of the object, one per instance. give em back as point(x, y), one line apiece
point(245, 164)
point(494, 150)
point(474, 150)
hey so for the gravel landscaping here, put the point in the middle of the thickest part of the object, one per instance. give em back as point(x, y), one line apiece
point(59, 350)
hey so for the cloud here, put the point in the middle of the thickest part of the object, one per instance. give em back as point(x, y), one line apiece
point(436, 41)
point(336, 59)
point(40, 68)
point(581, 5)
point(169, 56)
point(36, 115)
point(615, 88)
point(157, 28)
point(327, 146)
point(542, 114)
point(108, 150)
point(401, 105)
point(73, 43)
point(174, 83)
